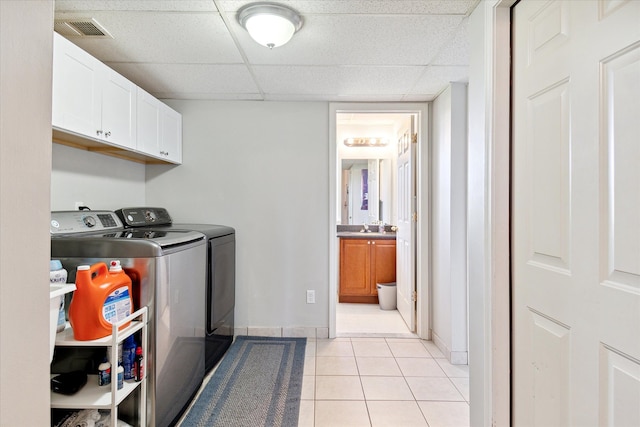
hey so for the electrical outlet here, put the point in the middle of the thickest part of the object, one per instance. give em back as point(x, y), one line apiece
point(78, 204)
point(311, 296)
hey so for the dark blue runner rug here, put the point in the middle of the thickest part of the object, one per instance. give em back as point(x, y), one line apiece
point(258, 383)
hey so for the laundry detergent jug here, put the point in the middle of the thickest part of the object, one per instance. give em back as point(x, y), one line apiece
point(103, 297)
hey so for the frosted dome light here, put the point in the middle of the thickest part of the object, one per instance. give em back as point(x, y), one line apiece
point(270, 25)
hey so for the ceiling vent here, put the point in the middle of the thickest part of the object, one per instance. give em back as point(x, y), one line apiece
point(81, 27)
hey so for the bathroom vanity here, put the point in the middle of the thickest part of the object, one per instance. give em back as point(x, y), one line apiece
point(366, 258)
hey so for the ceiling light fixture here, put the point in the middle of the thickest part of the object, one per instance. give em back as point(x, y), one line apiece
point(269, 24)
point(366, 142)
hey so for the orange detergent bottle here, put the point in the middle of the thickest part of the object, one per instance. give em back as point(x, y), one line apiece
point(102, 297)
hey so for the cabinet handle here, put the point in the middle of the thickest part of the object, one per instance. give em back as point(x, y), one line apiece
point(108, 134)
point(368, 242)
point(98, 132)
point(373, 243)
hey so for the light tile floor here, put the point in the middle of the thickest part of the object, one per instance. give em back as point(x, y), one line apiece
point(377, 373)
point(380, 376)
point(367, 320)
point(382, 382)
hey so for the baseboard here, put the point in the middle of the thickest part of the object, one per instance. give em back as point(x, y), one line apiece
point(454, 357)
point(459, 358)
point(287, 332)
point(441, 345)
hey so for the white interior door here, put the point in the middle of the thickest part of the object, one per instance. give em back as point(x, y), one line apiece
point(576, 213)
point(405, 236)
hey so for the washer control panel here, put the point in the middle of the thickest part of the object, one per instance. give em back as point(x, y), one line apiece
point(141, 217)
point(66, 222)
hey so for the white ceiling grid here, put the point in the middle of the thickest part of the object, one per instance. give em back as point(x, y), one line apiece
point(347, 50)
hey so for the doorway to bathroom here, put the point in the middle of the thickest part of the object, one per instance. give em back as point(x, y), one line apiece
point(379, 182)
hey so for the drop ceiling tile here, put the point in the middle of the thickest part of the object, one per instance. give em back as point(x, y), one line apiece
point(357, 40)
point(436, 78)
point(367, 6)
point(146, 5)
point(345, 81)
point(160, 37)
point(355, 50)
point(210, 96)
point(456, 49)
point(188, 78)
point(334, 98)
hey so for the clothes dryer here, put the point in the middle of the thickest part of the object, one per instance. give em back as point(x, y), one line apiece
point(220, 279)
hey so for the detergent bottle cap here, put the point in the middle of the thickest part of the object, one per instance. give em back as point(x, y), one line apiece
point(114, 266)
point(83, 267)
point(55, 264)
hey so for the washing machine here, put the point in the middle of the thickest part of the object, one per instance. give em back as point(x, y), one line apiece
point(167, 269)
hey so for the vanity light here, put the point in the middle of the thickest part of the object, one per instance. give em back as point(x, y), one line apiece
point(269, 24)
point(366, 142)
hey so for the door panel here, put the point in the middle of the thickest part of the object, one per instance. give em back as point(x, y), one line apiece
point(76, 89)
point(119, 110)
point(355, 267)
point(405, 236)
point(576, 213)
point(383, 263)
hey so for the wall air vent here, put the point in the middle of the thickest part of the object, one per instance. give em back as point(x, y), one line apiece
point(81, 27)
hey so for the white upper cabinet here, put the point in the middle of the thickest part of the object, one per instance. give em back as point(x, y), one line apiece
point(148, 131)
point(91, 99)
point(159, 129)
point(171, 135)
point(76, 92)
point(96, 108)
point(118, 110)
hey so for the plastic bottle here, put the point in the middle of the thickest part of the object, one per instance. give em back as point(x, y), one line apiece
point(58, 275)
point(102, 297)
point(104, 372)
point(138, 366)
point(120, 377)
point(128, 357)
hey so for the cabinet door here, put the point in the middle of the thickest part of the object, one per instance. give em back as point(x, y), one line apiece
point(148, 123)
point(171, 134)
point(118, 109)
point(383, 263)
point(76, 102)
point(355, 267)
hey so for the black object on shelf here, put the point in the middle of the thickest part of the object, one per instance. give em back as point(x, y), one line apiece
point(68, 383)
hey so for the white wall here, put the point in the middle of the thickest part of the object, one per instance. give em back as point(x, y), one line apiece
point(25, 165)
point(100, 181)
point(262, 168)
point(449, 262)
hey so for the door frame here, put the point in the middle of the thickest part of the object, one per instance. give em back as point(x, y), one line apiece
point(423, 326)
point(488, 223)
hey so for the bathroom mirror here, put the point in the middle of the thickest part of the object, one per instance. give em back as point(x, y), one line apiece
point(367, 191)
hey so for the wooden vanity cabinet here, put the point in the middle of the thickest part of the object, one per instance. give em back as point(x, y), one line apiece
point(363, 264)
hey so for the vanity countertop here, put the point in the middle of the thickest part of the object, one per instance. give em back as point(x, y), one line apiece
point(366, 235)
